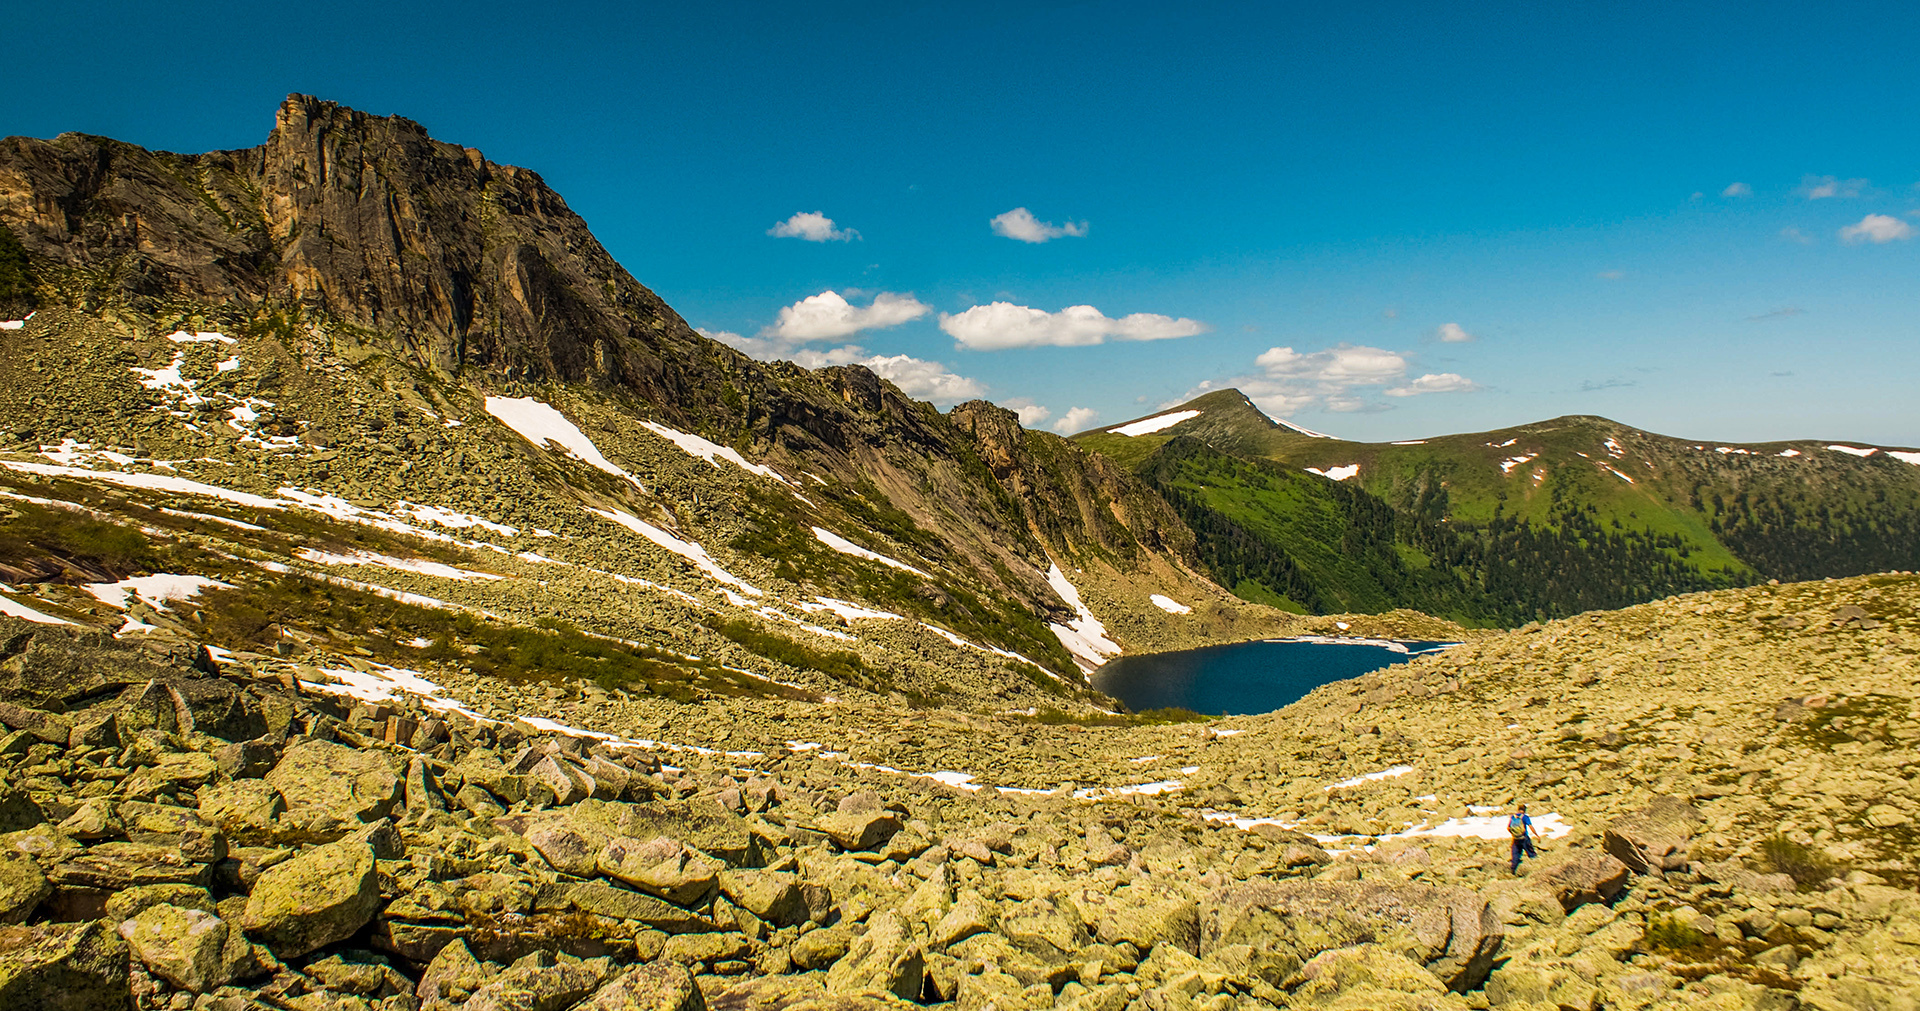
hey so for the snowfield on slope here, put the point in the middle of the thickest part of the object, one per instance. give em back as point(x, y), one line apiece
point(847, 547)
point(712, 452)
point(1084, 637)
point(540, 424)
point(1147, 426)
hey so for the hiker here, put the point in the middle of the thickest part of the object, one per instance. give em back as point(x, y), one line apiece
point(1520, 827)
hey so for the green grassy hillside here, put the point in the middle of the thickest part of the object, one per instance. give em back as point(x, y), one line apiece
point(1537, 520)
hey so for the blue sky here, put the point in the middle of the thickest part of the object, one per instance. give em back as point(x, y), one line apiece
point(1385, 221)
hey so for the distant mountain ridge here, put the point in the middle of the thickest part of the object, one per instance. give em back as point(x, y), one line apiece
point(1540, 520)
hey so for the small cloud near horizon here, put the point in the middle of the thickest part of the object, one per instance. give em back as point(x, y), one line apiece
point(1829, 187)
point(1589, 386)
point(1452, 333)
point(1781, 313)
point(1020, 224)
point(1031, 414)
point(1737, 190)
point(812, 226)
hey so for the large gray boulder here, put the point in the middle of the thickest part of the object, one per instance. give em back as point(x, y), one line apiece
point(1580, 877)
point(319, 897)
point(1453, 932)
point(1654, 838)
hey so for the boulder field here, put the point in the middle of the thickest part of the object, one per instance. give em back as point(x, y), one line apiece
point(1723, 784)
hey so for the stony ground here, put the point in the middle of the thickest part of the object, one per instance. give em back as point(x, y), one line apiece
point(1725, 781)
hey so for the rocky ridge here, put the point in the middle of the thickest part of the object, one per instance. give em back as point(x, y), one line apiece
point(1722, 779)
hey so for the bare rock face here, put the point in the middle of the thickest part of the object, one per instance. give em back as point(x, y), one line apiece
point(1654, 838)
point(1452, 932)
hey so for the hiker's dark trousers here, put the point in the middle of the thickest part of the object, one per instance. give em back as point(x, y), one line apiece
point(1521, 844)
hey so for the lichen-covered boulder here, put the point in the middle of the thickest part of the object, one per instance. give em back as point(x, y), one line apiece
point(77, 967)
point(190, 948)
point(656, 986)
point(1453, 932)
point(22, 888)
point(319, 897)
point(330, 790)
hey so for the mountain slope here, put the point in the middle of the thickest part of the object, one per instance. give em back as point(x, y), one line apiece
point(1558, 516)
point(357, 331)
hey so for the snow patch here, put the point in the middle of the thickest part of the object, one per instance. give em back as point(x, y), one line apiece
point(1613, 449)
point(540, 424)
point(711, 452)
point(1410, 442)
point(1788, 452)
point(847, 547)
point(1733, 450)
point(846, 610)
point(1147, 426)
point(1371, 777)
point(1336, 473)
point(1507, 465)
point(154, 589)
point(15, 609)
point(1619, 475)
point(204, 337)
point(1854, 450)
point(1169, 605)
point(449, 518)
point(1084, 637)
point(151, 482)
point(1904, 457)
point(688, 550)
point(419, 565)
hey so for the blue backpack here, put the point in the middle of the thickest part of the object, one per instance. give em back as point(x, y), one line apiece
point(1517, 826)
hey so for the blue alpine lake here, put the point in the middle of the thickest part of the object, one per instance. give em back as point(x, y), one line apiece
point(1247, 677)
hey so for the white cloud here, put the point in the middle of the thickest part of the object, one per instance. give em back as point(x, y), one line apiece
point(1005, 325)
point(827, 316)
point(1792, 234)
point(924, 380)
point(1031, 414)
point(1435, 382)
point(1737, 190)
point(1452, 333)
point(1020, 223)
point(1335, 379)
point(1825, 187)
point(1076, 419)
point(921, 380)
point(1346, 365)
point(1876, 228)
point(812, 226)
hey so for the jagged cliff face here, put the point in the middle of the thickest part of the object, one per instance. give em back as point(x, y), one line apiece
point(381, 285)
point(365, 219)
